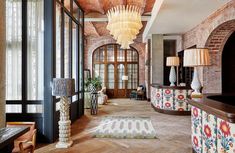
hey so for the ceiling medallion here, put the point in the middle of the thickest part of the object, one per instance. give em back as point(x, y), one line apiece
point(124, 23)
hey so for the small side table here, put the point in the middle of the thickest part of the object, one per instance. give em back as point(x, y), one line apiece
point(8, 135)
point(94, 103)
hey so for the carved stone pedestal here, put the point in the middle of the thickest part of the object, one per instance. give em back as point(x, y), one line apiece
point(65, 140)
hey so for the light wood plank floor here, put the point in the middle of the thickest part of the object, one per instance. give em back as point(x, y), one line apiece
point(173, 132)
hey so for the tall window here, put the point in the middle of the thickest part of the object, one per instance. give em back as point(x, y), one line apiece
point(69, 45)
point(14, 50)
point(24, 56)
point(35, 50)
point(110, 63)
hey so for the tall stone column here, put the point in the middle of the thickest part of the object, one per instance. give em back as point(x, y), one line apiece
point(157, 59)
point(2, 62)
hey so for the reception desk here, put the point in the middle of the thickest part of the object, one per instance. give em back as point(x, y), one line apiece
point(170, 100)
point(213, 124)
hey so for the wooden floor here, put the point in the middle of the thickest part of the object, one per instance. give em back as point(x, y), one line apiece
point(173, 132)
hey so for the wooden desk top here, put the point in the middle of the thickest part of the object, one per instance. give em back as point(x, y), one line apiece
point(170, 87)
point(9, 134)
point(222, 106)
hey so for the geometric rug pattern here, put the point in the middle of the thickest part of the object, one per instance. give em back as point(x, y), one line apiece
point(125, 127)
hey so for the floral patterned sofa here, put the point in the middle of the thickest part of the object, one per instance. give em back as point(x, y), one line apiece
point(170, 100)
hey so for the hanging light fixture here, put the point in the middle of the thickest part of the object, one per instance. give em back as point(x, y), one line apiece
point(124, 23)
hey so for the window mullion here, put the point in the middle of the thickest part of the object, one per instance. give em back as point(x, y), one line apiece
point(24, 55)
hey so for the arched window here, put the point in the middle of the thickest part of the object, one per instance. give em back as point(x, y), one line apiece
point(110, 63)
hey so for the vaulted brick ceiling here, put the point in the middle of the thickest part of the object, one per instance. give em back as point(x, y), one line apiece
point(102, 6)
point(98, 8)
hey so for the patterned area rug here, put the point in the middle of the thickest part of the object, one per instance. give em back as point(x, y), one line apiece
point(125, 128)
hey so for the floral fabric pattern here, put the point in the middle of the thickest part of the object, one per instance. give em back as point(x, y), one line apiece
point(211, 134)
point(226, 136)
point(170, 99)
point(156, 97)
point(196, 129)
point(180, 100)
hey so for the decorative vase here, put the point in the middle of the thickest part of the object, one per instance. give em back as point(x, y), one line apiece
point(92, 88)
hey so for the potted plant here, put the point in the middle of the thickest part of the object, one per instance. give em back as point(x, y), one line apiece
point(93, 84)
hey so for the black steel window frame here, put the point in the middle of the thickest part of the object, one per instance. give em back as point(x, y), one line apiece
point(46, 120)
point(24, 102)
point(51, 116)
point(64, 11)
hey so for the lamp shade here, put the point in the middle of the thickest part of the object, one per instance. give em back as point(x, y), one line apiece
point(196, 57)
point(124, 77)
point(172, 61)
point(63, 87)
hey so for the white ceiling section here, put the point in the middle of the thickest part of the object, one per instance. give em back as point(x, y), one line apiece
point(179, 16)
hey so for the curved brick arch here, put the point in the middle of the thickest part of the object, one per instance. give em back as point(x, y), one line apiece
point(96, 43)
point(212, 76)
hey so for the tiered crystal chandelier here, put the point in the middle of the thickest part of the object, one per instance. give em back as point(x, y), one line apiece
point(124, 23)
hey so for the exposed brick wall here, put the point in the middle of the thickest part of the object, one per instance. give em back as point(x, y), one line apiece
point(212, 33)
point(92, 43)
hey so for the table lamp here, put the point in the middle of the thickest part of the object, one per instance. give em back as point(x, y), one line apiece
point(125, 78)
point(64, 87)
point(172, 61)
point(196, 57)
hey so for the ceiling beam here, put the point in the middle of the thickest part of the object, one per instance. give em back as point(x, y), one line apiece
point(104, 19)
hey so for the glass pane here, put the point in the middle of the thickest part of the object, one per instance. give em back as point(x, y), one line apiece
point(67, 4)
point(99, 72)
point(81, 17)
point(75, 11)
point(74, 98)
point(96, 55)
point(35, 49)
point(58, 41)
point(110, 76)
point(66, 46)
point(121, 72)
point(13, 50)
point(75, 55)
point(96, 70)
point(110, 53)
point(81, 58)
point(132, 56)
point(120, 55)
point(13, 108)
point(132, 76)
point(34, 108)
point(102, 54)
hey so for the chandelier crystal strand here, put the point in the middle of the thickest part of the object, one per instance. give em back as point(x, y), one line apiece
point(124, 23)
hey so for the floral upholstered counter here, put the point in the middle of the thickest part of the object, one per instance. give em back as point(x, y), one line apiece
point(170, 100)
point(213, 127)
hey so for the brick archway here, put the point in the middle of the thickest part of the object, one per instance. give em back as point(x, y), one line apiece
point(212, 76)
point(140, 47)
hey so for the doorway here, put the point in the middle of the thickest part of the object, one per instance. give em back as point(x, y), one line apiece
point(228, 66)
point(111, 63)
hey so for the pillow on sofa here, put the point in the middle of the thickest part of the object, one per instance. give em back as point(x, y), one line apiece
point(139, 88)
